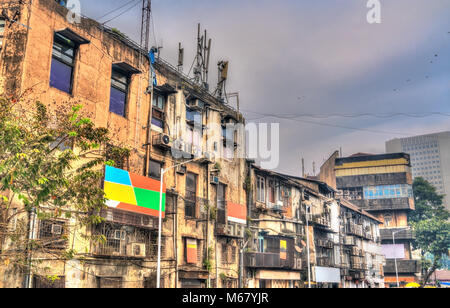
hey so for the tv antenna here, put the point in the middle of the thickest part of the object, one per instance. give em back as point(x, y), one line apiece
point(201, 68)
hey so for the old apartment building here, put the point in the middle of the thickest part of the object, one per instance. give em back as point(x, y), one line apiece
point(226, 222)
point(204, 200)
point(294, 220)
point(381, 185)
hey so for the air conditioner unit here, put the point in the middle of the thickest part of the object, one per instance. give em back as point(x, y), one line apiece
point(57, 229)
point(209, 157)
point(240, 231)
point(196, 104)
point(136, 250)
point(162, 140)
point(182, 169)
point(147, 221)
point(230, 229)
point(215, 180)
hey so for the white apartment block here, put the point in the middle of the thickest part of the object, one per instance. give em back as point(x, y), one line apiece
point(430, 159)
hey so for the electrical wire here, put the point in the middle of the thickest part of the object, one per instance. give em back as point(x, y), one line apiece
point(116, 9)
point(120, 14)
point(330, 125)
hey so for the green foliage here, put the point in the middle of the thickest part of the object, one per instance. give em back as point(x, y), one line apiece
point(36, 172)
point(428, 202)
point(207, 263)
point(430, 225)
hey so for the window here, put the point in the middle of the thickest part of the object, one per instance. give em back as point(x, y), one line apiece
point(191, 195)
point(221, 204)
point(260, 189)
point(2, 31)
point(271, 191)
point(109, 282)
point(225, 259)
point(41, 282)
point(387, 220)
point(159, 103)
point(119, 92)
point(51, 234)
point(63, 59)
point(154, 169)
point(113, 153)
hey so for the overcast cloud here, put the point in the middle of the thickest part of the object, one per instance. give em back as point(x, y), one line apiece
point(321, 57)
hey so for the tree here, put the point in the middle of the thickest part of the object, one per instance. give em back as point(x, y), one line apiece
point(428, 203)
point(50, 167)
point(431, 226)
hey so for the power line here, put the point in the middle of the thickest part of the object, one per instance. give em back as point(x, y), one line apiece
point(356, 115)
point(116, 9)
point(330, 125)
point(123, 12)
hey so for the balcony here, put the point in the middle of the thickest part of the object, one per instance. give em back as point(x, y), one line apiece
point(325, 243)
point(385, 204)
point(386, 234)
point(403, 266)
point(230, 230)
point(266, 260)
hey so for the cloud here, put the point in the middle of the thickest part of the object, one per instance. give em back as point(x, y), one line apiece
point(304, 56)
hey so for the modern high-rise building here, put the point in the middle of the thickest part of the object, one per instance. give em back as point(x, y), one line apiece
point(430, 159)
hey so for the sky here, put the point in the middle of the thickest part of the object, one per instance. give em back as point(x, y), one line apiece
point(293, 57)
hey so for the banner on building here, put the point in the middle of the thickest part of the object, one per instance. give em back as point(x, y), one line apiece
point(283, 249)
point(237, 213)
point(391, 251)
point(328, 274)
point(191, 250)
point(134, 193)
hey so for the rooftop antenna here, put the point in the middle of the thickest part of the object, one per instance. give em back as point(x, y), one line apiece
point(201, 68)
point(145, 23)
point(180, 57)
point(222, 68)
point(303, 167)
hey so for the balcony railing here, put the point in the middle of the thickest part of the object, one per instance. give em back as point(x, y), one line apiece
point(406, 234)
point(403, 266)
point(266, 260)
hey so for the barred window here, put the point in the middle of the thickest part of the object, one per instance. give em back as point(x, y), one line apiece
point(109, 282)
point(191, 195)
point(41, 282)
point(52, 234)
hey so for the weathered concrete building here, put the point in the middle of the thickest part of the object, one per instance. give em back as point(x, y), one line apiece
point(291, 218)
point(47, 58)
point(381, 185)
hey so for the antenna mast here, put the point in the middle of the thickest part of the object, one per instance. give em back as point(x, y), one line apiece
point(145, 24)
point(201, 68)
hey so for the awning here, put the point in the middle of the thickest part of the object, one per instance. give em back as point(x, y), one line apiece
point(74, 37)
point(126, 68)
point(165, 89)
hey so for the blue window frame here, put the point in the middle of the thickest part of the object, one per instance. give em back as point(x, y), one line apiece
point(63, 59)
point(119, 92)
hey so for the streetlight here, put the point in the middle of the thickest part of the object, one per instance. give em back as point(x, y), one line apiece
point(163, 171)
point(395, 254)
point(307, 246)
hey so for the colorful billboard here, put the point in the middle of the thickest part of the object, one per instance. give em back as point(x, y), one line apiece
point(134, 193)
